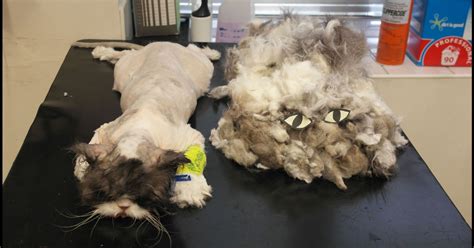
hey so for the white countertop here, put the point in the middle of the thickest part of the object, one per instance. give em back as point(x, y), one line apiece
point(409, 70)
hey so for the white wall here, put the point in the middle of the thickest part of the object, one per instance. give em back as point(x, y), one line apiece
point(36, 37)
point(437, 117)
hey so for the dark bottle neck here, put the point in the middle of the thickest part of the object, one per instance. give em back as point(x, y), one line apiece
point(203, 10)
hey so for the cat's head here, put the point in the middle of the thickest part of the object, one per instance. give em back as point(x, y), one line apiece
point(118, 186)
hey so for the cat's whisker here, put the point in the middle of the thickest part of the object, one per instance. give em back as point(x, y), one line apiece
point(89, 219)
point(136, 232)
point(77, 223)
point(98, 219)
point(166, 213)
point(159, 227)
point(159, 234)
point(157, 215)
point(134, 220)
point(73, 216)
point(156, 225)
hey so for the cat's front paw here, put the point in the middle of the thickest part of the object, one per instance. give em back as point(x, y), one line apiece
point(191, 193)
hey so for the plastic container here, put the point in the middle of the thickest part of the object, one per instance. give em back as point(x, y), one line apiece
point(440, 33)
point(394, 31)
point(201, 23)
point(234, 15)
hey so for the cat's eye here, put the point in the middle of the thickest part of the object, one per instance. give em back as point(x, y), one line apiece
point(297, 121)
point(337, 115)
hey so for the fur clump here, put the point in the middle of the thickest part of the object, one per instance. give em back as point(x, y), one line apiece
point(310, 67)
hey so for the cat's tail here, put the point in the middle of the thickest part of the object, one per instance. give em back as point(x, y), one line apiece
point(105, 50)
point(112, 44)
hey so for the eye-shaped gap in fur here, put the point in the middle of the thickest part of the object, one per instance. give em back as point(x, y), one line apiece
point(297, 121)
point(337, 115)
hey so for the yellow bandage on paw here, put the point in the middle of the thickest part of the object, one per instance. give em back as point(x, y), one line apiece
point(197, 156)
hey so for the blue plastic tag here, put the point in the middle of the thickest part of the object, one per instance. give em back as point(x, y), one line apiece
point(181, 178)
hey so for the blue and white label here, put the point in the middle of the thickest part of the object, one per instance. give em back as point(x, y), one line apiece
point(182, 178)
point(442, 19)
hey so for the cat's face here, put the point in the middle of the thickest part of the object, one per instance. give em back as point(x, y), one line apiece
point(117, 186)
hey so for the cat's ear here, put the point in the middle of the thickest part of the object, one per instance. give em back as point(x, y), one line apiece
point(342, 46)
point(171, 159)
point(92, 152)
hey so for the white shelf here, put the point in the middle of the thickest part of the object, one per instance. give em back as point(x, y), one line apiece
point(409, 70)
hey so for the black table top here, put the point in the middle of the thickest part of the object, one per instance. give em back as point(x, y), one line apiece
point(247, 209)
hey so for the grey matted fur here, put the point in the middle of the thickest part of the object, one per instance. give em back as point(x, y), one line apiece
point(301, 101)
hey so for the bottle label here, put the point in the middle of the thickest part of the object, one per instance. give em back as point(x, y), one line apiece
point(396, 11)
point(230, 32)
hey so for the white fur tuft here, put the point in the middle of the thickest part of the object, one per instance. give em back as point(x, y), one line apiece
point(108, 54)
point(191, 193)
point(211, 53)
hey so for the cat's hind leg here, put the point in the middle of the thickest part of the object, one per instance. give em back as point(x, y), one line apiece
point(219, 92)
point(211, 54)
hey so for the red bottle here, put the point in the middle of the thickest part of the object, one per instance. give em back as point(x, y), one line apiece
point(394, 31)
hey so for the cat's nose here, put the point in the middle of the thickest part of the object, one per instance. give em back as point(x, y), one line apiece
point(123, 207)
point(124, 204)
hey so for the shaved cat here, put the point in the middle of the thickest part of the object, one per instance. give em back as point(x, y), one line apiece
point(128, 169)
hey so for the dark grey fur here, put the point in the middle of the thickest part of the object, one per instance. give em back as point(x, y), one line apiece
point(110, 177)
